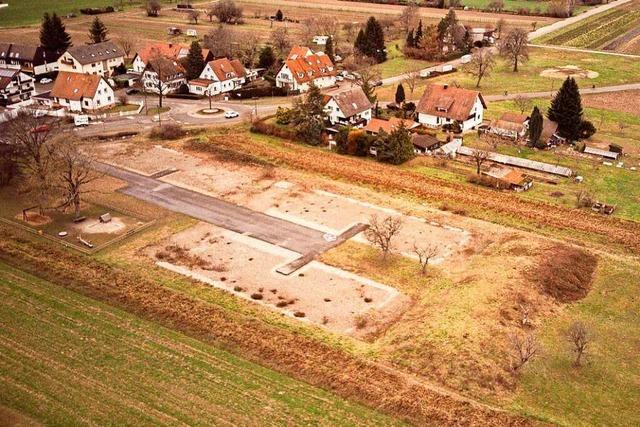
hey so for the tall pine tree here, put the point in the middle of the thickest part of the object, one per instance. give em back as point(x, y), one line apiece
point(374, 40)
point(267, 58)
point(98, 31)
point(566, 110)
point(536, 122)
point(194, 63)
point(411, 41)
point(361, 43)
point(53, 34)
point(418, 37)
point(400, 96)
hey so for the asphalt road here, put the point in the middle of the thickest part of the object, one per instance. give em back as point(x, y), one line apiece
point(276, 231)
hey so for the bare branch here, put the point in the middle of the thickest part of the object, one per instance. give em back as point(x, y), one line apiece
point(381, 232)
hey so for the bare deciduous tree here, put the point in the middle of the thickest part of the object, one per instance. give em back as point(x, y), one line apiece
point(75, 170)
point(126, 45)
point(153, 7)
point(515, 47)
point(579, 337)
point(479, 157)
point(193, 16)
point(220, 41)
point(481, 65)
point(524, 348)
point(525, 309)
point(425, 253)
point(210, 12)
point(412, 80)
point(382, 231)
point(523, 103)
point(500, 27)
point(227, 12)
point(249, 50)
point(409, 16)
point(281, 41)
point(35, 138)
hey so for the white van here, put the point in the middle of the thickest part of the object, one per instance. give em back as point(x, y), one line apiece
point(81, 120)
point(465, 59)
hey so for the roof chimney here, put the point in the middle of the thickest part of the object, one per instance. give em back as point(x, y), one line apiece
point(446, 85)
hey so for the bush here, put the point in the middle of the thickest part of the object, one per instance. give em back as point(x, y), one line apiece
point(260, 91)
point(268, 129)
point(284, 115)
point(168, 131)
point(580, 146)
point(487, 181)
point(587, 129)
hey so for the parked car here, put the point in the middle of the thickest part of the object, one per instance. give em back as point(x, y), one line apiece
point(132, 91)
point(350, 77)
point(339, 78)
point(45, 81)
point(376, 83)
point(231, 114)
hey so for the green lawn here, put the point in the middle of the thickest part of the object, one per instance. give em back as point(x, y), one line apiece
point(515, 5)
point(66, 359)
point(613, 70)
point(396, 62)
point(122, 108)
point(605, 391)
point(28, 12)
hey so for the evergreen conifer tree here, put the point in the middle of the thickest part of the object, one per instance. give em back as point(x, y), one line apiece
point(194, 63)
point(53, 34)
point(267, 58)
point(98, 31)
point(328, 49)
point(566, 110)
point(410, 39)
point(400, 96)
point(418, 37)
point(535, 128)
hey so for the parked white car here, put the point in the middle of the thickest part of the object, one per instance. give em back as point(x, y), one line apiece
point(45, 81)
point(231, 114)
point(339, 78)
point(81, 120)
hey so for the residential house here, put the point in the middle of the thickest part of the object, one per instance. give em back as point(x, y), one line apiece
point(510, 125)
point(219, 76)
point(349, 107)
point(424, 144)
point(303, 68)
point(481, 36)
point(82, 92)
point(99, 58)
point(168, 50)
point(30, 59)
point(443, 104)
point(15, 86)
point(164, 75)
point(376, 125)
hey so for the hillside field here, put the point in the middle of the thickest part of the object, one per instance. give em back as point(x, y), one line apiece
point(68, 359)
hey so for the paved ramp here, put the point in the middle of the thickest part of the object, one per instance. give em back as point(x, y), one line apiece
point(295, 237)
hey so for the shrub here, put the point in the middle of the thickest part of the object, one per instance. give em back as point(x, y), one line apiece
point(580, 146)
point(268, 129)
point(168, 131)
point(299, 314)
point(258, 91)
point(587, 129)
point(487, 181)
point(283, 116)
point(615, 148)
point(256, 296)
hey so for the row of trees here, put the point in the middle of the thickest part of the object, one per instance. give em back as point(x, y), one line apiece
point(370, 41)
point(394, 147)
point(54, 36)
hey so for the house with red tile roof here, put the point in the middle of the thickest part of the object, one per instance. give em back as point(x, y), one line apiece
point(219, 76)
point(82, 92)
point(302, 68)
point(169, 50)
point(375, 125)
point(443, 104)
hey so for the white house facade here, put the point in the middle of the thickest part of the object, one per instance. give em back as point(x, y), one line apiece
point(443, 105)
point(303, 68)
point(99, 58)
point(163, 75)
point(219, 76)
point(350, 107)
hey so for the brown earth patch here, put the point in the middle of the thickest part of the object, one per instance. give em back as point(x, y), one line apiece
point(627, 101)
point(565, 273)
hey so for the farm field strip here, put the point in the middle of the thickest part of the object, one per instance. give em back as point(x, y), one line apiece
point(596, 32)
point(92, 363)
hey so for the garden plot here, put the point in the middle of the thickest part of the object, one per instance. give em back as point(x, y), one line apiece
point(340, 301)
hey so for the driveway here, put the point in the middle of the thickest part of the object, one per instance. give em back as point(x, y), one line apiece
point(279, 232)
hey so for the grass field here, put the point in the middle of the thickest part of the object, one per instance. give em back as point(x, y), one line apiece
point(612, 71)
point(516, 5)
point(605, 390)
point(396, 62)
point(67, 359)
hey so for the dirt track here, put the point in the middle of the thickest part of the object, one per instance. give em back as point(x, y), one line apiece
point(281, 349)
point(391, 178)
